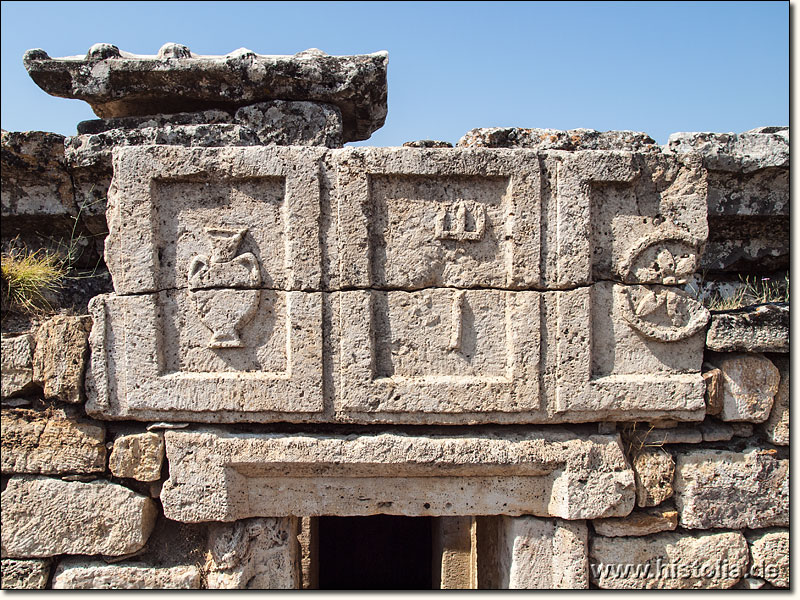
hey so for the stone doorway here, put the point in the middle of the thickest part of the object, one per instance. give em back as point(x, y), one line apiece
point(375, 552)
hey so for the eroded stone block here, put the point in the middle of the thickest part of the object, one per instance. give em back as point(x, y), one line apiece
point(45, 517)
point(78, 574)
point(777, 426)
point(555, 139)
point(669, 561)
point(749, 385)
point(219, 476)
point(744, 152)
point(59, 361)
point(717, 488)
point(537, 553)
point(50, 443)
point(455, 553)
point(24, 574)
point(760, 329)
point(654, 470)
point(138, 456)
point(769, 554)
point(120, 84)
point(16, 354)
point(638, 523)
point(256, 554)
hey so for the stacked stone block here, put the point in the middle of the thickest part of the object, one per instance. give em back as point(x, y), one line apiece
point(536, 286)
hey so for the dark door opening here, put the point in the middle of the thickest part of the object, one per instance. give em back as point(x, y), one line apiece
point(380, 552)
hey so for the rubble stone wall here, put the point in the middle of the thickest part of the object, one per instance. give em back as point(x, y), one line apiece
point(520, 337)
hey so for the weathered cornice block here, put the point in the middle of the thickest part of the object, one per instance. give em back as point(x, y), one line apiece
point(120, 84)
point(220, 476)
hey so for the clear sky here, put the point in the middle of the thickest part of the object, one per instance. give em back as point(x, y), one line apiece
point(657, 67)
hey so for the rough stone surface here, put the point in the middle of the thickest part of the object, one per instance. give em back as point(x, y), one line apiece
point(454, 553)
point(677, 561)
point(45, 517)
point(777, 426)
point(16, 364)
point(219, 476)
point(138, 456)
point(654, 470)
point(718, 488)
point(24, 574)
point(59, 360)
point(769, 557)
point(293, 123)
point(554, 139)
point(120, 84)
point(427, 144)
point(638, 523)
point(542, 554)
point(256, 554)
point(715, 431)
point(749, 385)
point(77, 574)
point(50, 443)
point(763, 328)
point(743, 152)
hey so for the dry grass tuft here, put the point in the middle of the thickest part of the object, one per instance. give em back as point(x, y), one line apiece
point(28, 277)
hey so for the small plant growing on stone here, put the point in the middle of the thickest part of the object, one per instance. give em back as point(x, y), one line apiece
point(754, 290)
point(29, 277)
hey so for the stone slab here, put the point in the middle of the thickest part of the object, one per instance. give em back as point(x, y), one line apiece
point(179, 376)
point(46, 517)
point(744, 152)
point(654, 470)
point(59, 360)
point(669, 561)
point(542, 554)
point(638, 523)
point(219, 476)
point(555, 139)
point(79, 574)
point(170, 205)
point(255, 554)
point(119, 84)
point(719, 488)
point(455, 553)
point(24, 574)
point(763, 328)
point(137, 456)
point(16, 364)
point(51, 442)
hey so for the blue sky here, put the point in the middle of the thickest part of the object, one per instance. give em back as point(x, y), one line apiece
point(657, 67)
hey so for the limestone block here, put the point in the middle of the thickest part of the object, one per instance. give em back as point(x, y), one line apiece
point(35, 182)
point(183, 374)
point(669, 561)
point(16, 360)
point(78, 574)
point(762, 328)
point(24, 574)
point(45, 517)
point(654, 470)
point(537, 553)
point(777, 426)
point(453, 356)
point(412, 218)
point(50, 443)
point(717, 488)
point(293, 123)
point(220, 476)
point(169, 206)
point(455, 553)
point(638, 523)
point(256, 554)
point(138, 456)
point(769, 554)
point(744, 152)
point(749, 385)
point(554, 139)
point(59, 361)
point(120, 84)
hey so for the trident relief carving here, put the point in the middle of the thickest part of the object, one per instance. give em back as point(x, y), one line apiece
point(224, 287)
point(451, 222)
point(662, 313)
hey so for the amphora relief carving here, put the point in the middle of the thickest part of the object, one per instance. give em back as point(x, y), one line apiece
point(224, 287)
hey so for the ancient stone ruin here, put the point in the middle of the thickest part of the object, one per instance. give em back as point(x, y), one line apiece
point(293, 364)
